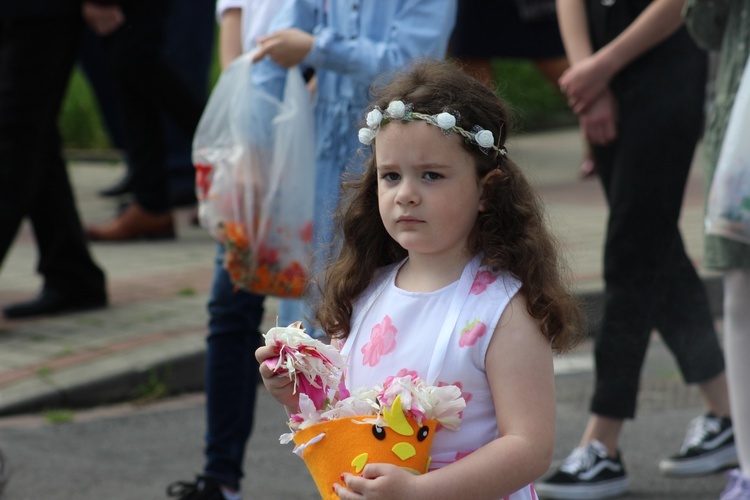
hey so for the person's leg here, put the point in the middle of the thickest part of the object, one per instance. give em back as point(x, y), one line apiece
point(737, 348)
point(188, 48)
point(605, 430)
point(64, 258)
point(97, 67)
point(147, 84)
point(231, 376)
point(33, 177)
point(737, 345)
point(683, 318)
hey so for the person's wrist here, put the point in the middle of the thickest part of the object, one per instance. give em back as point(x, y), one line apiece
point(606, 64)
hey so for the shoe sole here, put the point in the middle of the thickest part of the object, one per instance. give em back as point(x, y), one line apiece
point(604, 489)
point(56, 312)
point(722, 459)
point(167, 235)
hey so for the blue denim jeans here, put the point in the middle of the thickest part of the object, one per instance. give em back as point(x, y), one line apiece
point(231, 375)
point(232, 372)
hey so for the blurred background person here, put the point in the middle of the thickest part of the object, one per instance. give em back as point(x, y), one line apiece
point(145, 85)
point(637, 82)
point(34, 183)
point(352, 45)
point(724, 25)
point(188, 47)
point(518, 29)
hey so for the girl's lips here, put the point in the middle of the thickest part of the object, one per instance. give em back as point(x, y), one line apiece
point(407, 219)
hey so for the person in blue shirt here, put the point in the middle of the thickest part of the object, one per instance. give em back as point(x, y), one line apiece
point(348, 44)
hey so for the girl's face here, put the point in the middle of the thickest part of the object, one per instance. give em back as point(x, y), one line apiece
point(428, 191)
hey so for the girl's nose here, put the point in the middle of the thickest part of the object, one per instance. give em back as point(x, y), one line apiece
point(407, 193)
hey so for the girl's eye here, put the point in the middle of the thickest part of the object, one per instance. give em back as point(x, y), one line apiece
point(432, 176)
point(391, 176)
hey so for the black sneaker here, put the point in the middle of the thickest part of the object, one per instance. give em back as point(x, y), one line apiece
point(587, 473)
point(203, 488)
point(708, 447)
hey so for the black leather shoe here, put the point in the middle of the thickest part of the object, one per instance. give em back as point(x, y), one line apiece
point(123, 186)
point(55, 302)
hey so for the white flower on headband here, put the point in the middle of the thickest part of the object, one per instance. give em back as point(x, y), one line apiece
point(374, 118)
point(396, 110)
point(367, 135)
point(445, 120)
point(484, 139)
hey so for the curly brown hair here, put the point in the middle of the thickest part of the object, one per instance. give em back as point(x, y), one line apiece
point(511, 230)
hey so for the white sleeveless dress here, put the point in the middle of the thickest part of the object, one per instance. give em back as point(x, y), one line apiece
point(442, 336)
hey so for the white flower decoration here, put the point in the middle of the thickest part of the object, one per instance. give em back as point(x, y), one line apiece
point(445, 120)
point(484, 138)
point(366, 136)
point(374, 118)
point(396, 110)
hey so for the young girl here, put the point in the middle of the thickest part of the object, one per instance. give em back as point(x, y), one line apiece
point(447, 271)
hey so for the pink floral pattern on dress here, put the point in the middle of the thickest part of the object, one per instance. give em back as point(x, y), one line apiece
point(471, 332)
point(482, 279)
point(382, 341)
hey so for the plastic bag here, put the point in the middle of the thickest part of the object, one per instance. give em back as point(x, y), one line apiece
point(728, 212)
point(255, 164)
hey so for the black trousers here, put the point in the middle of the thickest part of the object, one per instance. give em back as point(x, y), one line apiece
point(650, 280)
point(36, 57)
point(146, 85)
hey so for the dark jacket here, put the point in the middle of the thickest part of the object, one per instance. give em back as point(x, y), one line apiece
point(36, 8)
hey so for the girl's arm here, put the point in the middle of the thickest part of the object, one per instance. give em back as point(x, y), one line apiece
point(588, 77)
point(521, 377)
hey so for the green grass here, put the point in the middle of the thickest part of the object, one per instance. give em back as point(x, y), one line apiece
point(187, 291)
point(59, 416)
point(536, 103)
point(152, 389)
point(81, 125)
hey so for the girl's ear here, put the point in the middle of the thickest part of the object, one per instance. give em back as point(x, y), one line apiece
point(487, 179)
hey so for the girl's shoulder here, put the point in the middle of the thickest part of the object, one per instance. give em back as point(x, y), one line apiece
point(498, 278)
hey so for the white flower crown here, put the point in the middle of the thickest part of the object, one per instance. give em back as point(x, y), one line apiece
point(446, 120)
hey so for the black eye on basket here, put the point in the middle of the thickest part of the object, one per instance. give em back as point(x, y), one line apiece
point(424, 431)
point(378, 432)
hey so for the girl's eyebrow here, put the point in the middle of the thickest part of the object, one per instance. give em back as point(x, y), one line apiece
point(421, 166)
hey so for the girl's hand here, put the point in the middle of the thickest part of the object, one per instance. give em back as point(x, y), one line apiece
point(377, 481)
point(279, 385)
point(286, 47)
point(599, 121)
